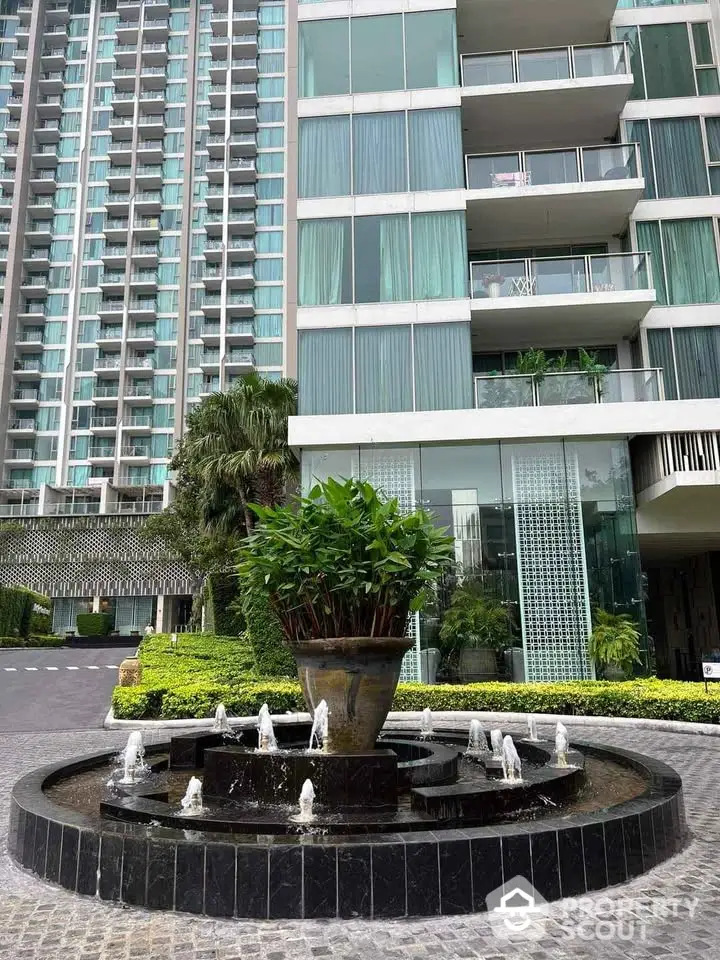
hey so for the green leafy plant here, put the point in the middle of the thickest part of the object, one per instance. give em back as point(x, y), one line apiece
point(94, 624)
point(615, 640)
point(342, 562)
point(533, 363)
point(265, 635)
point(475, 619)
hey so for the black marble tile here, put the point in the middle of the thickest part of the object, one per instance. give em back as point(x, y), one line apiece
point(661, 851)
point(423, 882)
point(252, 883)
point(111, 849)
point(545, 865)
point(87, 880)
point(54, 849)
point(190, 877)
point(320, 882)
point(40, 851)
point(20, 842)
point(219, 880)
point(633, 845)
point(572, 865)
point(388, 880)
point(134, 871)
point(354, 882)
point(615, 851)
point(516, 857)
point(647, 839)
point(594, 854)
point(486, 856)
point(455, 876)
point(672, 843)
point(13, 828)
point(69, 857)
point(160, 876)
point(28, 850)
point(285, 883)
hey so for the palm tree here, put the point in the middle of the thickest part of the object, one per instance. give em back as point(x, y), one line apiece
point(237, 443)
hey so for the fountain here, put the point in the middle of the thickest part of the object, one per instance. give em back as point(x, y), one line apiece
point(426, 723)
point(220, 724)
point(496, 741)
point(267, 742)
point(133, 758)
point(561, 746)
point(319, 732)
point(307, 798)
point(192, 802)
point(532, 736)
point(477, 744)
point(512, 767)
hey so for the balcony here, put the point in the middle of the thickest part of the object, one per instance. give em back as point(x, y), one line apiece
point(143, 281)
point(150, 151)
point(119, 177)
point(138, 422)
point(35, 285)
point(567, 388)
point(19, 509)
point(239, 305)
point(151, 125)
point(136, 453)
point(156, 29)
point(559, 95)
point(142, 336)
point(52, 58)
point(28, 367)
point(121, 128)
point(114, 256)
point(37, 258)
point(111, 310)
point(52, 82)
point(144, 255)
point(105, 393)
point(138, 392)
point(148, 202)
point(107, 365)
point(239, 360)
point(148, 176)
point(240, 332)
point(101, 454)
point(21, 455)
point(134, 507)
point(552, 194)
point(152, 78)
point(137, 365)
point(117, 204)
point(152, 102)
point(602, 296)
point(73, 508)
point(42, 207)
point(155, 54)
point(47, 131)
point(143, 308)
point(240, 277)
point(112, 282)
point(21, 425)
point(103, 424)
point(127, 30)
point(50, 107)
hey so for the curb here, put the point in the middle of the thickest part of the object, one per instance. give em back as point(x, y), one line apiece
point(440, 717)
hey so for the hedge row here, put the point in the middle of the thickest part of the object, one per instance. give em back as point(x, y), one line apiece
point(655, 699)
point(32, 641)
point(18, 616)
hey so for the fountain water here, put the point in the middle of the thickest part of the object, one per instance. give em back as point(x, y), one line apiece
point(319, 732)
point(532, 729)
point(562, 743)
point(192, 802)
point(512, 768)
point(267, 742)
point(307, 798)
point(477, 744)
point(133, 758)
point(220, 724)
point(496, 740)
point(426, 723)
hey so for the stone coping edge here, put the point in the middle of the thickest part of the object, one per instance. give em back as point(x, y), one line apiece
point(443, 717)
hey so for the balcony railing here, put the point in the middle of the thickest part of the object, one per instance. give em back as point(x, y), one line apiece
point(19, 509)
point(571, 387)
point(80, 507)
point(134, 507)
point(659, 457)
point(551, 64)
point(559, 276)
point(534, 168)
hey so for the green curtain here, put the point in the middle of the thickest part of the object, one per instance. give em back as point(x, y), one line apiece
point(638, 132)
point(379, 153)
point(712, 129)
point(669, 70)
point(383, 369)
point(660, 352)
point(443, 366)
point(394, 259)
point(679, 157)
point(325, 371)
point(648, 238)
point(440, 261)
point(436, 151)
point(697, 350)
point(324, 262)
point(691, 261)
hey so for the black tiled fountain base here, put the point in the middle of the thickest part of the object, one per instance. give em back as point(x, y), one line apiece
point(391, 875)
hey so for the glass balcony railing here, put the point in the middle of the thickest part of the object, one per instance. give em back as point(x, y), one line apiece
point(541, 167)
point(571, 387)
point(560, 276)
point(546, 65)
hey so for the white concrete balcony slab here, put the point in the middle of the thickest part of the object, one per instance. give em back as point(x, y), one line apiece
point(552, 194)
point(552, 95)
point(515, 23)
point(555, 298)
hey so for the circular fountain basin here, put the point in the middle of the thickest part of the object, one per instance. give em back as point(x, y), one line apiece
point(453, 832)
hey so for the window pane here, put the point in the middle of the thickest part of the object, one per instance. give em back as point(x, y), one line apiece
point(431, 49)
point(661, 355)
point(630, 36)
point(382, 259)
point(668, 61)
point(325, 372)
point(638, 132)
point(436, 153)
point(324, 157)
point(707, 81)
point(324, 262)
point(377, 53)
point(648, 239)
point(324, 59)
point(679, 158)
point(443, 366)
point(702, 43)
point(440, 259)
point(698, 361)
point(691, 261)
point(383, 369)
point(379, 153)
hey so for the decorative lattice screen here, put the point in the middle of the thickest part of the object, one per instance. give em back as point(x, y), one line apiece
point(552, 572)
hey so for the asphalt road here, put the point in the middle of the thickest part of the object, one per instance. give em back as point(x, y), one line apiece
point(57, 689)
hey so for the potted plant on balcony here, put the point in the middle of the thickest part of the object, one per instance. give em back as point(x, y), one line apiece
point(614, 644)
point(493, 283)
point(342, 569)
point(593, 369)
point(475, 628)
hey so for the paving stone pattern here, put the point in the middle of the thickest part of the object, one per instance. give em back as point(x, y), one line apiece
point(41, 922)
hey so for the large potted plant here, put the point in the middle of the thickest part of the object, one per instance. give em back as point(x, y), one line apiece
point(476, 626)
point(342, 570)
point(614, 644)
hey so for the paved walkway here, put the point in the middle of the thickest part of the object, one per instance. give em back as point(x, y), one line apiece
point(40, 922)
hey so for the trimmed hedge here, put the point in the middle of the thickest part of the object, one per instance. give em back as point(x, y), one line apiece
point(94, 624)
point(224, 617)
point(18, 616)
point(32, 641)
point(263, 631)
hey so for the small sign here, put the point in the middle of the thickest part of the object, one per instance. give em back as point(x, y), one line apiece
point(711, 671)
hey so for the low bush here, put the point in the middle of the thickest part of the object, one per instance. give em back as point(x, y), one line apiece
point(94, 624)
point(32, 641)
point(265, 635)
point(23, 612)
point(223, 610)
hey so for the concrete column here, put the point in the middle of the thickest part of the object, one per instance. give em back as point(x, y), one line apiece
point(162, 610)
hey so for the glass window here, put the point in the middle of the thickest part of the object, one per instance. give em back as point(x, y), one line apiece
point(660, 354)
point(668, 60)
point(324, 58)
point(697, 355)
point(268, 354)
point(269, 269)
point(324, 268)
point(268, 325)
point(383, 368)
point(270, 188)
point(379, 153)
point(691, 261)
point(702, 43)
point(443, 366)
point(325, 372)
point(431, 49)
point(679, 157)
point(382, 259)
point(324, 163)
point(377, 53)
point(436, 151)
point(439, 255)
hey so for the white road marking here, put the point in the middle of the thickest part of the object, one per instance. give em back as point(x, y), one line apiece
point(31, 668)
point(91, 668)
point(10, 669)
point(52, 668)
point(110, 666)
point(72, 668)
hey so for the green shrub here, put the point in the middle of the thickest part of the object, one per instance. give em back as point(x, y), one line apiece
point(263, 631)
point(223, 612)
point(15, 611)
point(94, 624)
point(32, 641)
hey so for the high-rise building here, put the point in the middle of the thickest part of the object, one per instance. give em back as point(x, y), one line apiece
point(483, 234)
